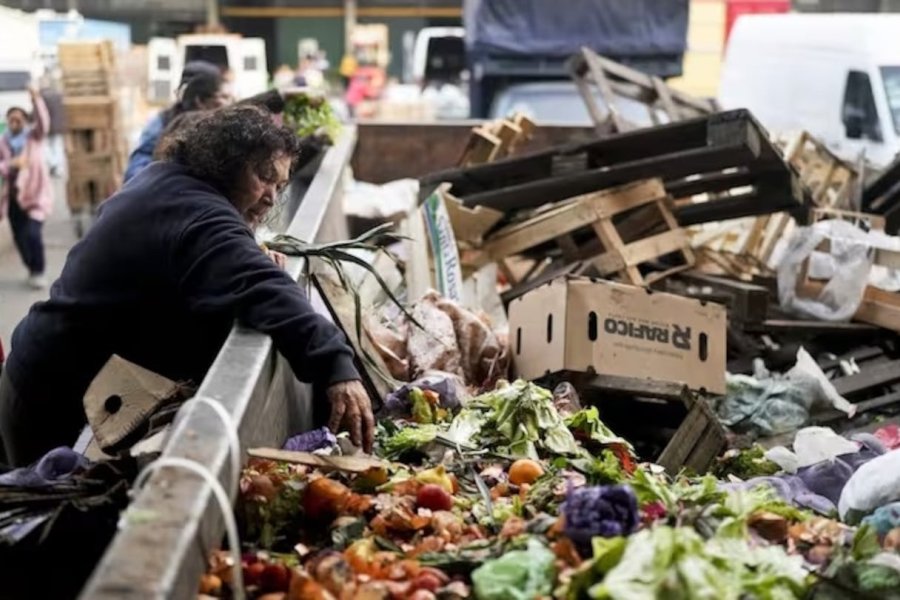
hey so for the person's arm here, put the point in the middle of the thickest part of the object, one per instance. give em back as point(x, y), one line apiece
point(220, 268)
point(41, 125)
point(5, 161)
point(142, 155)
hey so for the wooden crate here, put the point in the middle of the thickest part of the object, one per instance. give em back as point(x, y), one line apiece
point(91, 112)
point(831, 180)
point(86, 193)
point(77, 56)
point(93, 82)
point(613, 80)
point(97, 166)
point(596, 212)
point(498, 139)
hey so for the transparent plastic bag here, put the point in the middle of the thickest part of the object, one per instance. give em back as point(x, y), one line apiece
point(846, 267)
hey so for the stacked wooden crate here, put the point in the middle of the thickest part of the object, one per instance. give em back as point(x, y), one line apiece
point(95, 148)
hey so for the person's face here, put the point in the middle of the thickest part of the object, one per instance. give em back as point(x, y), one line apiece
point(255, 197)
point(15, 122)
point(222, 98)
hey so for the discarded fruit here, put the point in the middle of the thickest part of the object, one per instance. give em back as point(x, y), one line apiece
point(434, 497)
point(323, 497)
point(275, 578)
point(525, 470)
point(210, 585)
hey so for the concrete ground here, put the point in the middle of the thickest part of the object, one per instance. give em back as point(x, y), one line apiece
point(15, 297)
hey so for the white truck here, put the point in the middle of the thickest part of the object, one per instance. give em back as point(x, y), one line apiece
point(19, 59)
point(836, 76)
point(244, 58)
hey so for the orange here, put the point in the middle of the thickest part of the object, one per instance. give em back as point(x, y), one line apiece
point(525, 470)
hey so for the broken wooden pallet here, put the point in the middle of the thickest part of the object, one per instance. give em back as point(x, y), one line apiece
point(596, 212)
point(614, 81)
point(495, 140)
point(724, 152)
point(831, 180)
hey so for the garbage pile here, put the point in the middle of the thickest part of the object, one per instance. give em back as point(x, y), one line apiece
point(521, 493)
point(659, 364)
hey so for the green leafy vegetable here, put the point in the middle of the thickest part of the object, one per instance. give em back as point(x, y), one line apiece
point(587, 424)
point(666, 562)
point(311, 115)
point(408, 438)
point(521, 418)
point(517, 575)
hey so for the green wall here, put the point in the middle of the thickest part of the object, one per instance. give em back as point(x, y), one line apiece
point(330, 33)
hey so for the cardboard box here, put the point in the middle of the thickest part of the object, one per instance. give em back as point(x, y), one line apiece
point(576, 324)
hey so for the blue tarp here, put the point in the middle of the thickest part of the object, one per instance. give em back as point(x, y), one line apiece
point(615, 28)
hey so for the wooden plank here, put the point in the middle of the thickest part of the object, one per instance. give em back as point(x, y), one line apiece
point(643, 388)
point(808, 327)
point(347, 464)
point(655, 246)
point(747, 302)
point(682, 443)
point(613, 260)
point(665, 98)
point(872, 377)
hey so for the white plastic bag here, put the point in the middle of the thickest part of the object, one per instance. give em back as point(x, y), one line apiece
point(874, 484)
point(847, 267)
point(807, 371)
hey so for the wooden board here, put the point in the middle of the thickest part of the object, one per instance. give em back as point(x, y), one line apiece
point(614, 81)
point(347, 464)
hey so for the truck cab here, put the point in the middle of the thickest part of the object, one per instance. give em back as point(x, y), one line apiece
point(243, 58)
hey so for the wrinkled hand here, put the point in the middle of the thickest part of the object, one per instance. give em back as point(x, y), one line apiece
point(278, 258)
point(352, 410)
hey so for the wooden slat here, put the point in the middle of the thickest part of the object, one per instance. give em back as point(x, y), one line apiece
point(686, 437)
point(348, 464)
point(655, 246)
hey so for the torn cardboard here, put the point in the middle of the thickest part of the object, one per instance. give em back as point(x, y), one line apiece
point(126, 401)
point(579, 325)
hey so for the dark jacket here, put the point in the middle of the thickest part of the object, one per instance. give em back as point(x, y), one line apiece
point(159, 280)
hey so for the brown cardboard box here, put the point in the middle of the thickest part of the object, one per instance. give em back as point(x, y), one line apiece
point(576, 324)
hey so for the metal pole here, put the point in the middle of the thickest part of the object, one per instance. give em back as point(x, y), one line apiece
point(212, 14)
point(349, 25)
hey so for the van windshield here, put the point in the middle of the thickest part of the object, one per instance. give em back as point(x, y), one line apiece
point(891, 78)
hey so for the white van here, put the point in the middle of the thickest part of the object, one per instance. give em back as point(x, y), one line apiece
point(19, 59)
point(836, 76)
point(244, 57)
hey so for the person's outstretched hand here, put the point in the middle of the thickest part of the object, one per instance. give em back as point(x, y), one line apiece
point(351, 409)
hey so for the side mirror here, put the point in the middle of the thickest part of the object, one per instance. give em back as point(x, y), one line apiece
point(854, 123)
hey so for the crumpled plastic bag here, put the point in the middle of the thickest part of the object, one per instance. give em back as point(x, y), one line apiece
point(771, 404)
point(450, 387)
point(455, 340)
point(811, 445)
point(517, 575)
point(311, 441)
point(874, 484)
point(57, 465)
point(884, 518)
point(846, 267)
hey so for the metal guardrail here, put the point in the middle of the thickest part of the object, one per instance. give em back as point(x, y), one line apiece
point(173, 523)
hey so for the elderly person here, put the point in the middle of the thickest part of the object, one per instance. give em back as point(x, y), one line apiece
point(161, 277)
point(203, 87)
point(26, 195)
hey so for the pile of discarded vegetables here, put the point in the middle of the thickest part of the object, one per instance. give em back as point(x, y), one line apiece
point(520, 494)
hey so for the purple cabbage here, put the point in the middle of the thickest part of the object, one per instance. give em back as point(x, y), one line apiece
point(604, 511)
point(317, 439)
point(449, 387)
